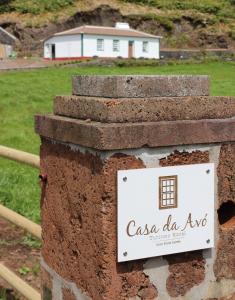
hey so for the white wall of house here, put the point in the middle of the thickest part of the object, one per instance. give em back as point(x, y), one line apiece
point(65, 46)
point(153, 48)
point(70, 46)
point(9, 50)
point(90, 46)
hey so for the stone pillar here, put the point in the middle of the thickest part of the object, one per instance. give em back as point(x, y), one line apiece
point(128, 122)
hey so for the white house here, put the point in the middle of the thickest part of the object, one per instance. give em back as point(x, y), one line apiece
point(97, 41)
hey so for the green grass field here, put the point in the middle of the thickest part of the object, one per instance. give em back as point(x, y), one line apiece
point(23, 94)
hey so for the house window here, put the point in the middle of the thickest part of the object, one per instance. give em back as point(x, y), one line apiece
point(116, 45)
point(100, 45)
point(167, 192)
point(145, 46)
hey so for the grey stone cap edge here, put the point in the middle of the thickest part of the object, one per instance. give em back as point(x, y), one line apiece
point(116, 136)
point(140, 85)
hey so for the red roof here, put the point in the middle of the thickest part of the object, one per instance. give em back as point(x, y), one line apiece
point(100, 30)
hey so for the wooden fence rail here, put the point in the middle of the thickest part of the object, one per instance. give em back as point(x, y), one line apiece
point(20, 285)
point(16, 282)
point(20, 221)
point(20, 156)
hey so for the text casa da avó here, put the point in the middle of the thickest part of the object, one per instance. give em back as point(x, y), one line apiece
point(134, 229)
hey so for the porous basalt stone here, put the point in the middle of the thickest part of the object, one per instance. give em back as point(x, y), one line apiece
point(68, 295)
point(224, 266)
point(226, 173)
point(46, 284)
point(144, 109)
point(134, 282)
point(185, 158)
point(46, 278)
point(80, 206)
point(186, 269)
point(134, 135)
point(46, 293)
point(225, 259)
point(231, 297)
point(148, 293)
point(139, 86)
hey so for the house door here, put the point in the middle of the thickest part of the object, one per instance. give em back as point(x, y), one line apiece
point(53, 51)
point(2, 51)
point(130, 49)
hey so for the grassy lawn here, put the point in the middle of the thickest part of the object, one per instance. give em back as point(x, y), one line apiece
point(22, 94)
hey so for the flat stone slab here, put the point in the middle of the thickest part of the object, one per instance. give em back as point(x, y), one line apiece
point(138, 86)
point(114, 136)
point(123, 110)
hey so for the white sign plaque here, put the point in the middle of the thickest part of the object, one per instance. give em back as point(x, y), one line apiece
point(165, 210)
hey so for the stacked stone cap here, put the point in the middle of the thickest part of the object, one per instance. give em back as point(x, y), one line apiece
point(139, 86)
point(121, 112)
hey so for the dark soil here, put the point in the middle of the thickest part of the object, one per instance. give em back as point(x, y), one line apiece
point(20, 254)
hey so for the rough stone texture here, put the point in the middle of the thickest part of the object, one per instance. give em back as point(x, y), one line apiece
point(226, 173)
point(79, 207)
point(186, 269)
point(185, 158)
point(134, 135)
point(231, 297)
point(46, 294)
point(225, 261)
point(139, 86)
point(147, 293)
point(46, 287)
point(46, 278)
point(68, 295)
point(144, 110)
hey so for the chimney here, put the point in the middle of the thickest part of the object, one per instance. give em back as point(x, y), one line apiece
point(120, 25)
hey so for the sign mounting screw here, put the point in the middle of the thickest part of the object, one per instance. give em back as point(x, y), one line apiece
point(208, 241)
point(208, 171)
point(124, 179)
point(125, 254)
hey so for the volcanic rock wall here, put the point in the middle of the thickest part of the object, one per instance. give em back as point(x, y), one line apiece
point(122, 123)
